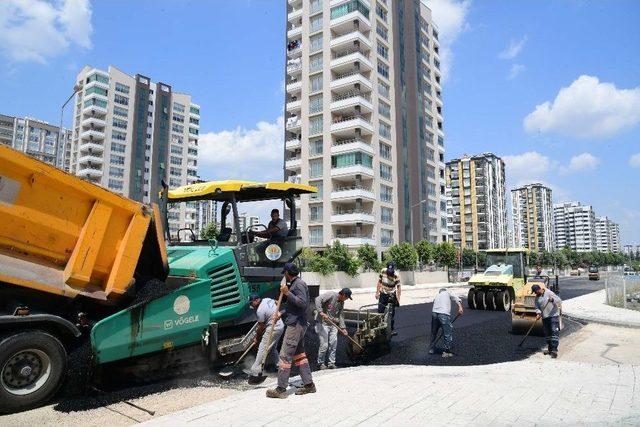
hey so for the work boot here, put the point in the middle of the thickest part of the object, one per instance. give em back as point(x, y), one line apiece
point(308, 388)
point(277, 393)
point(546, 352)
point(446, 354)
point(323, 366)
point(331, 366)
point(554, 354)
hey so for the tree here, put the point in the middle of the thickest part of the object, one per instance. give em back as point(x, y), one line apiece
point(342, 259)
point(446, 255)
point(468, 258)
point(305, 258)
point(425, 251)
point(482, 259)
point(322, 265)
point(369, 258)
point(210, 231)
point(404, 255)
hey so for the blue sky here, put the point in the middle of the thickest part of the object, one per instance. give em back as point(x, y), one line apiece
point(505, 61)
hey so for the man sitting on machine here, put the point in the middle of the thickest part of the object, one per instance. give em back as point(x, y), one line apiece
point(277, 227)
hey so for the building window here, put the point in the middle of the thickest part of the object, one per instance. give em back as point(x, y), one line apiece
point(193, 131)
point(177, 161)
point(98, 78)
point(315, 212)
point(178, 107)
point(122, 88)
point(315, 168)
point(315, 23)
point(385, 151)
point(115, 184)
point(96, 90)
point(351, 6)
point(194, 110)
point(384, 110)
point(175, 171)
point(316, 83)
point(315, 43)
point(386, 193)
point(118, 148)
point(386, 215)
point(382, 32)
point(383, 89)
point(383, 69)
point(177, 150)
point(178, 118)
point(95, 102)
point(381, 12)
point(119, 136)
point(116, 172)
point(318, 194)
point(385, 172)
point(315, 6)
point(315, 125)
point(385, 130)
point(315, 63)
point(315, 236)
point(315, 104)
point(386, 237)
point(116, 160)
point(351, 159)
point(119, 123)
point(315, 147)
point(119, 99)
point(122, 112)
point(194, 121)
point(177, 128)
point(383, 51)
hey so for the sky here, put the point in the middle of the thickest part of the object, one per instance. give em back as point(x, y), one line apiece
point(553, 87)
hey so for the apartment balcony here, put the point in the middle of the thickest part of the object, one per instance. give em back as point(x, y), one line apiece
point(292, 144)
point(294, 14)
point(344, 23)
point(294, 32)
point(352, 144)
point(294, 106)
point(352, 171)
point(294, 66)
point(91, 159)
point(99, 122)
point(94, 111)
point(96, 83)
point(89, 172)
point(352, 192)
point(346, 126)
point(91, 147)
point(293, 124)
point(347, 40)
point(293, 163)
point(349, 80)
point(347, 103)
point(295, 87)
point(355, 240)
point(295, 3)
point(343, 61)
point(92, 134)
point(352, 217)
point(295, 179)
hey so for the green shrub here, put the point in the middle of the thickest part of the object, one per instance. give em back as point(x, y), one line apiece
point(322, 265)
point(210, 231)
point(404, 255)
point(425, 251)
point(445, 255)
point(369, 258)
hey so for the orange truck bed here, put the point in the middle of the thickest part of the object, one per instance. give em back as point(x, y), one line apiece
point(66, 236)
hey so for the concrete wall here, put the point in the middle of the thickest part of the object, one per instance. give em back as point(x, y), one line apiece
point(369, 280)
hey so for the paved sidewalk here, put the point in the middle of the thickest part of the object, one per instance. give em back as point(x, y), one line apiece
point(592, 308)
point(516, 393)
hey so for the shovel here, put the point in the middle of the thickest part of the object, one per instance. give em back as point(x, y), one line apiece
point(532, 325)
point(259, 379)
point(229, 371)
point(351, 339)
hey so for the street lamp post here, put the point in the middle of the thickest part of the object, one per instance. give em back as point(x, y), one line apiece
point(76, 89)
point(411, 217)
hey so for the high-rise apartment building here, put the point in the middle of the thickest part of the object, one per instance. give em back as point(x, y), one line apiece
point(364, 121)
point(130, 134)
point(478, 201)
point(607, 235)
point(34, 137)
point(575, 226)
point(533, 217)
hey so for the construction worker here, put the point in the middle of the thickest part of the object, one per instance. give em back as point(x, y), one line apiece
point(265, 309)
point(441, 318)
point(547, 304)
point(330, 306)
point(388, 292)
point(296, 296)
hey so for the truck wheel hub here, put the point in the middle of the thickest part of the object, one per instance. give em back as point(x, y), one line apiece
point(25, 372)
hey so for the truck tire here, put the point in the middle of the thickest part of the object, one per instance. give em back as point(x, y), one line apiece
point(32, 367)
point(480, 299)
point(490, 300)
point(471, 299)
point(503, 301)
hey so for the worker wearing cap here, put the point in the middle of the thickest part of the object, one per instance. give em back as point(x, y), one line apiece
point(441, 318)
point(547, 307)
point(388, 292)
point(330, 306)
point(265, 309)
point(296, 297)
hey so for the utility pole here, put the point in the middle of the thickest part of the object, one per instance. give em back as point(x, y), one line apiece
point(60, 164)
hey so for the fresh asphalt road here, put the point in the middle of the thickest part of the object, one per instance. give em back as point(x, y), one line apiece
point(480, 337)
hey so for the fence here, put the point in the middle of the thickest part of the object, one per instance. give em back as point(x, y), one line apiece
point(623, 290)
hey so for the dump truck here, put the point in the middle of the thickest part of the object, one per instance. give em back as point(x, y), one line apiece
point(81, 265)
point(523, 312)
point(496, 287)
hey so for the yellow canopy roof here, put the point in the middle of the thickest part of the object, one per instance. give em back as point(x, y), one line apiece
point(244, 191)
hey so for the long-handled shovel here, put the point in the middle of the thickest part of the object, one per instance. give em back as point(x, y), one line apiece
point(440, 332)
point(351, 339)
point(532, 325)
point(229, 371)
point(259, 379)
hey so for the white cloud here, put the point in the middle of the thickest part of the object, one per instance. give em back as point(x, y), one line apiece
point(450, 18)
point(581, 163)
point(514, 48)
point(587, 109)
point(634, 160)
point(34, 30)
point(527, 168)
point(252, 154)
point(516, 69)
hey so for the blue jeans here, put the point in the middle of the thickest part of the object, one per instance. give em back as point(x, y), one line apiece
point(443, 321)
point(551, 326)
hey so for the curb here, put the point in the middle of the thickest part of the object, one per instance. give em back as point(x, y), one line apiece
point(587, 320)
